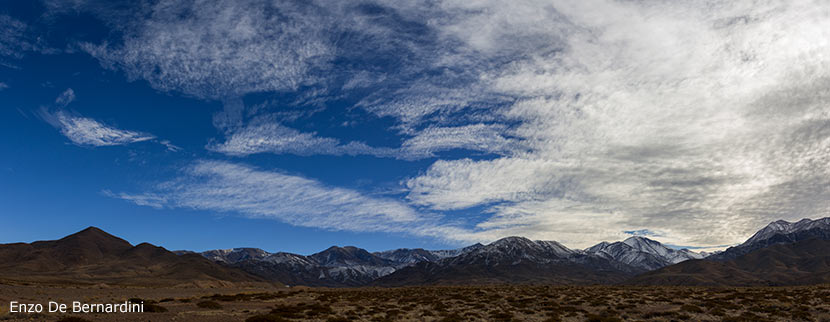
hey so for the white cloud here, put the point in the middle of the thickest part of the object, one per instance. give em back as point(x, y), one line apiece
point(68, 96)
point(17, 39)
point(170, 146)
point(240, 189)
point(89, 132)
point(147, 199)
point(272, 137)
point(474, 137)
point(14, 41)
point(220, 49)
point(86, 131)
point(702, 122)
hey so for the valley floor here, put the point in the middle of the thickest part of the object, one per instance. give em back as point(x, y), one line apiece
point(437, 303)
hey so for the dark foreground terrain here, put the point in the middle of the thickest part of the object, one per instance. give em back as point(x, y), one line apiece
point(456, 303)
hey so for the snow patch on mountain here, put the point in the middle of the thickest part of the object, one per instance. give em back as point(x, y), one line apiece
point(642, 253)
point(785, 227)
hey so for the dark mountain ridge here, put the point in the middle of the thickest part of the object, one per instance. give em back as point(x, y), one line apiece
point(778, 232)
point(801, 263)
point(93, 256)
point(782, 253)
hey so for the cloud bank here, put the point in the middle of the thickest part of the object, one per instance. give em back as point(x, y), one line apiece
point(700, 122)
point(697, 121)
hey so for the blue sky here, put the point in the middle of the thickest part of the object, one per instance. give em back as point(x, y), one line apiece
point(294, 126)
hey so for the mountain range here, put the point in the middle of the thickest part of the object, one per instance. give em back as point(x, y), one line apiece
point(499, 262)
point(335, 266)
point(782, 253)
point(637, 260)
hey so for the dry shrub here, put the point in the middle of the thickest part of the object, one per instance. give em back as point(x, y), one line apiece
point(211, 305)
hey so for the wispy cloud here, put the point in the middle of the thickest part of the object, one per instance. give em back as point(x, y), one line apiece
point(18, 39)
point(147, 199)
point(244, 190)
point(220, 49)
point(89, 132)
point(14, 40)
point(68, 96)
point(488, 138)
point(272, 137)
point(223, 50)
point(170, 146)
point(86, 131)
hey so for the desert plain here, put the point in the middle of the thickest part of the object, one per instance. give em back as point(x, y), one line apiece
point(433, 303)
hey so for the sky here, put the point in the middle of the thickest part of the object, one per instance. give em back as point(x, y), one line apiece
point(297, 125)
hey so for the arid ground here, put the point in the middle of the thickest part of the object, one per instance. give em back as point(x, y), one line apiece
point(456, 303)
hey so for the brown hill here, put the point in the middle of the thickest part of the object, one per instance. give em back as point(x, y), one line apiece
point(93, 256)
point(801, 263)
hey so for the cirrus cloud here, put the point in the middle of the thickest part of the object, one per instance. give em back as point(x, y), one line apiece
point(240, 189)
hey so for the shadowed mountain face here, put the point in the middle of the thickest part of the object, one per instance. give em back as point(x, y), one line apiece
point(348, 256)
point(800, 263)
point(93, 256)
point(88, 246)
point(779, 232)
point(782, 253)
point(333, 267)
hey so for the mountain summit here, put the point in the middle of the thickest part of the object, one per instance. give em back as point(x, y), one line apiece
point(784, 227)
point(779, 232)
point(641, 252)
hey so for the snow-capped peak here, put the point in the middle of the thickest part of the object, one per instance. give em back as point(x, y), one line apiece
point(407, 256)
point(521, 245)
point(441, 254)
point(785, 227)
point(647, 245)
point(234, 255)
point(641, 252)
